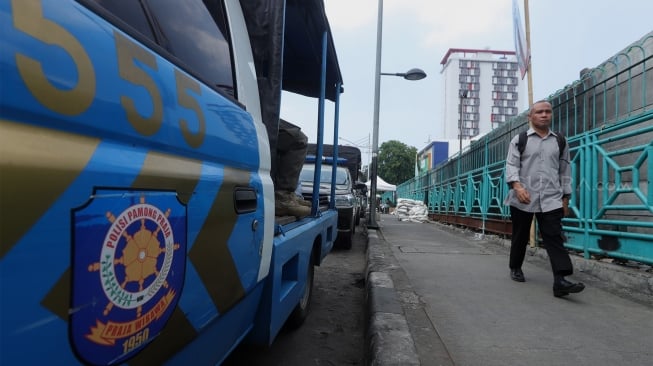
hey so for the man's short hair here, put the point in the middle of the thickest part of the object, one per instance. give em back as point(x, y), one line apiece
point(530, 110)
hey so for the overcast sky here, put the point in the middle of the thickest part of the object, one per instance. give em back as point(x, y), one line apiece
point(566, 36)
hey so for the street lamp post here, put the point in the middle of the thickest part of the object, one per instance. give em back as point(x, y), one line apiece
point(463, 95)
point(412, 74)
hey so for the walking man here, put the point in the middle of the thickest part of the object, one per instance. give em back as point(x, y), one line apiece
point(540, 180)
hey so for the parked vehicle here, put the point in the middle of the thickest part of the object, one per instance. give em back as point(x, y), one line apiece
point(350, 157)
point(137, 201)
point(345, 202)
point(360, 191)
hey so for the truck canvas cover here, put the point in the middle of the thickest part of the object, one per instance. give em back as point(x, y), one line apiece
point(289, 56)
point(351, 153)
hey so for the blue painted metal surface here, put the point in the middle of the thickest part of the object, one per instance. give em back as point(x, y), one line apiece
point(119, 195)
point(121, 236)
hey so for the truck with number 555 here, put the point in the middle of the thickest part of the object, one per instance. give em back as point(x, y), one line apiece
point(137, 150)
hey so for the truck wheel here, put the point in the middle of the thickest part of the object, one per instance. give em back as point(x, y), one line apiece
point(300, 313)
point(345, 241)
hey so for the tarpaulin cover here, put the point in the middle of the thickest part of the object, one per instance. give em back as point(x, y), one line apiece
point(288, 56)
point(351, 153)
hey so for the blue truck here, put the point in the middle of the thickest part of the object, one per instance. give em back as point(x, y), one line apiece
point(137, 140)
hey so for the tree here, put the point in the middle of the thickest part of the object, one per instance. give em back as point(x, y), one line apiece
point(396, 162)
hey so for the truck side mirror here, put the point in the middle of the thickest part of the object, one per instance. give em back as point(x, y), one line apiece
point(361, 187)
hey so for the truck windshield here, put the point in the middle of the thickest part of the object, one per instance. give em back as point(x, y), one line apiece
point(308, 170)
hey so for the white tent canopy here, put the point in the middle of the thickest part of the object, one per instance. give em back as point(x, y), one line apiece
point(381, 185)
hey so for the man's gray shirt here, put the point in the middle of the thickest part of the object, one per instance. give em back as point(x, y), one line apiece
point(543, 172)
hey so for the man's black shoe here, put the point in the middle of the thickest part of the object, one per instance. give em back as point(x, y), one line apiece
point(563, 287)
point(517, 275)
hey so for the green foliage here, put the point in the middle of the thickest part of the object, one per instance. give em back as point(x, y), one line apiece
point(396, 162)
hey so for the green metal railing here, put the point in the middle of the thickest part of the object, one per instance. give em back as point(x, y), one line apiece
point(607, 117)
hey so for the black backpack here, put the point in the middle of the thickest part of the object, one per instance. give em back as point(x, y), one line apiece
point(523, 139)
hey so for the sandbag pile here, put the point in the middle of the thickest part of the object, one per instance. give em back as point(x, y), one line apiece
point(411, 210)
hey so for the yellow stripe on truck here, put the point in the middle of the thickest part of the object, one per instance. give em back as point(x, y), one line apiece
point(210, 254)
point(36, 166)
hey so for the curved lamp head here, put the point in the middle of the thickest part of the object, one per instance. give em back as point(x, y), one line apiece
point(414, 74)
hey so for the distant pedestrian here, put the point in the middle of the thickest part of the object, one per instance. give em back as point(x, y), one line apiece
point(387, 206)
point(540, 182)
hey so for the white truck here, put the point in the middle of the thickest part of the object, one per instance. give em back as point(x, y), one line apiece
point(137, 140)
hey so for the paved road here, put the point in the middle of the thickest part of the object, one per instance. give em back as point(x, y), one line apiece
point(462, 308)
point(333, 334)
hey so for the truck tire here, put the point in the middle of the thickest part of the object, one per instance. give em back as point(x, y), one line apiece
point(345, 241)
point(300, 313)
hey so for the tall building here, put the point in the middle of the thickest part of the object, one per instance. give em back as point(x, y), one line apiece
point(488, 85)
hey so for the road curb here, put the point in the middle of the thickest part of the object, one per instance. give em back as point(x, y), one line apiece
point(388, 338)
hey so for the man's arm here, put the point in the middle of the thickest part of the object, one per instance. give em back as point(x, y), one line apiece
point(513, 168)
point(565, 178)
point(513, 165)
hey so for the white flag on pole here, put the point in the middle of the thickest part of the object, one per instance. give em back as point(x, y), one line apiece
point(521, 49)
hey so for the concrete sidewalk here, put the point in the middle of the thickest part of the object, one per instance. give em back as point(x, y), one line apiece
point(442, 296)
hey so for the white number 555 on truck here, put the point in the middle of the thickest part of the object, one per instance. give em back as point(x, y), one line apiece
point(137, 140)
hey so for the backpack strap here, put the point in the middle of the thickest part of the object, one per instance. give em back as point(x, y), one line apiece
point(521, 143)
point(562, 142)
point(523, 138)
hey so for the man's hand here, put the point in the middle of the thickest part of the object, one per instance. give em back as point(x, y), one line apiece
point(521, 193)
point(565, 206)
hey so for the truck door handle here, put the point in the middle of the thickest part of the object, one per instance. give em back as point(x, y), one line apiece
point(244, 200)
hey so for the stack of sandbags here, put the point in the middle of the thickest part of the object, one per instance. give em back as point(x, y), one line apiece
point(411, 210)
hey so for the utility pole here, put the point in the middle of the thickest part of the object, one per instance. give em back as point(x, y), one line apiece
point(463, 95)
point(530, 91)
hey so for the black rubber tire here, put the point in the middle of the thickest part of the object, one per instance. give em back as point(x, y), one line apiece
point(300, 313)
point(344, 242)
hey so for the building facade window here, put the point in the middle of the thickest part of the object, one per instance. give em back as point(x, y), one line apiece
point(469, 79)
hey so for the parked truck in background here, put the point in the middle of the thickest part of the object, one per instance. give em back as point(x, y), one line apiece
point(352, 161)
point(137, 206)
point(351, 194)
point(338, 193)
point(350, 157)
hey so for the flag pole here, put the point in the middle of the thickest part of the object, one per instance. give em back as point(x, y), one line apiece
point(528, 47)
point(529, 70)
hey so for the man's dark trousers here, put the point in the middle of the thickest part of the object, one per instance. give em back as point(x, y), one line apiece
point(550, 225)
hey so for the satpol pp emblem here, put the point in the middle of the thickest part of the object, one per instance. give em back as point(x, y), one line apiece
point(129, 255)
